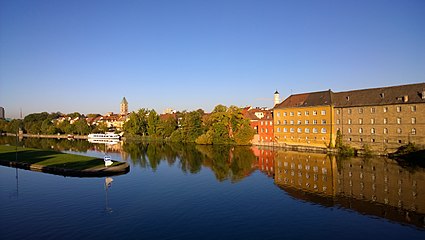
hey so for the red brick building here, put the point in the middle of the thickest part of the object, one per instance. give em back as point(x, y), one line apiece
point(262, 121)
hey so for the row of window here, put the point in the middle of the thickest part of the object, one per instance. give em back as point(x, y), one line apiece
point(373, 121)
point(299, 122)
point(300, 130)
point(374, 140)
point(299, 113)
point(267, 123)
point(385, 131)
point(373, 110)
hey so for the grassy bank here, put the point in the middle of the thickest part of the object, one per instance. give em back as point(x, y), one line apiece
point(58, 162)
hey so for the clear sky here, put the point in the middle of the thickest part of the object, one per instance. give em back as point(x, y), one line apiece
point(85, 56)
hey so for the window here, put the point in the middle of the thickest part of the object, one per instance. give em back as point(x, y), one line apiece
point(398, 108)
point(323, 112)
point(372, 121)
point(314, 112)
point(278, 114)
point(278, 122)
point(292, 122)
point(413, 108)
point(323, 130)
point(385, 109)
point(398, 120)
point(337, 121)
point(299, 122)
point(299, 130)
point(360, 110)
point(360, 130)
point(349, 130)
point(349, 111)
point(291, 130)
point(385, 140)
point(306, 113)
point(338, 111)
point(262, 130)
point(307, 130)
point(299, 113)
point(267, 123)
point(271, 122)
point(285, 122)
point(413, 131)
point(307, 122)
point(285, 130)
point(314, 130)
point(413, 120)
point(385, 121)
point(314, 121)
point(349, 121)
point(323, 121)
point(399, 130)
point(267, 130)
point(372, 110)
point(284, 114)
point(291, 114)
point(360, 120)
point(278, 129)
point(385, 130)
point(372, 130)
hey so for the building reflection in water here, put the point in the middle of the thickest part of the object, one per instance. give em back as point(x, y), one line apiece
point(375, 186)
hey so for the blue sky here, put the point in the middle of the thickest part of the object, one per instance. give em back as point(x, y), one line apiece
point(86, 55)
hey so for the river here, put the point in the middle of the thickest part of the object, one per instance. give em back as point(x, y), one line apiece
point(177, 191)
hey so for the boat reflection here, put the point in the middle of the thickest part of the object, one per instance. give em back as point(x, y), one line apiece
point(108, 183)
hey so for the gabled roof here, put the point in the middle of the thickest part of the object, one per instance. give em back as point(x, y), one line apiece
point(307, 100)
point(411, 93)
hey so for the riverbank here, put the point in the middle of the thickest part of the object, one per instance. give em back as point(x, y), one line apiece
point(48, 136)
point(59, 163)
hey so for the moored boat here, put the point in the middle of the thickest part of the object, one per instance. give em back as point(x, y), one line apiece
point(107, 135)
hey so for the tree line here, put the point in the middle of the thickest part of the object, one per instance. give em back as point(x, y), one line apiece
point(224, 125)
point(49, 123)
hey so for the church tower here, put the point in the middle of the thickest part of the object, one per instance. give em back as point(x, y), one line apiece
point(124, 106)
point(276, 98)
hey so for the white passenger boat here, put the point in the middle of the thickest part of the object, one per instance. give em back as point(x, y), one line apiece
point(104, 136)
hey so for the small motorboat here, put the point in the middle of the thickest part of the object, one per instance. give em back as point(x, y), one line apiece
point(107, 160)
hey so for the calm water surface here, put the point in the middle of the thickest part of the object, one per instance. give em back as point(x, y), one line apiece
point(220, 192)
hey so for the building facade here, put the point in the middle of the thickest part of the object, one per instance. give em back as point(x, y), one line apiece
point(381, 118)
point(124, 107)
point(261, 120)
point(305, 119)
point(2, 114)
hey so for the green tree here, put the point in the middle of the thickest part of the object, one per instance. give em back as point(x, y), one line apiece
point(81, 127)
point(152, 123)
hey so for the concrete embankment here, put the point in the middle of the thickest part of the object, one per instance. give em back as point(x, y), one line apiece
point(48, 136)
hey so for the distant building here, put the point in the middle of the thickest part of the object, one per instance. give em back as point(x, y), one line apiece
point(2, 115)
point(124, 107)
point(169, 111)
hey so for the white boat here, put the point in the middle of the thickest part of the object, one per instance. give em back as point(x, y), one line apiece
point(108, 135)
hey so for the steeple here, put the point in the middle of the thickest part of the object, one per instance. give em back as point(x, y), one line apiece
point(124, 106)
point(276, 98)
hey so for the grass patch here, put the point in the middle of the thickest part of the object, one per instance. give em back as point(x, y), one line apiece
point(49, 158)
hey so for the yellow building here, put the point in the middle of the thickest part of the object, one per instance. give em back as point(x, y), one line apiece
point(381, 118)
point(305, 120)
